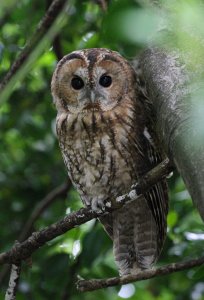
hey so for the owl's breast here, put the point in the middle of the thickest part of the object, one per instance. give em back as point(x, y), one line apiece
point(98, 159)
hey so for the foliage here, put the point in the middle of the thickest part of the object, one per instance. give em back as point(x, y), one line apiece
point(31, 163)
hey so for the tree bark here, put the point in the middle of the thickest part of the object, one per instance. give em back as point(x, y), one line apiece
point(177, 94)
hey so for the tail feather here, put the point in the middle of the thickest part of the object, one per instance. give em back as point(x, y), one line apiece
point(136, 237)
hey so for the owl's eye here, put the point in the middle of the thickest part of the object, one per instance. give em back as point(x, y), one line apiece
point(105, 80)
point(77, 83)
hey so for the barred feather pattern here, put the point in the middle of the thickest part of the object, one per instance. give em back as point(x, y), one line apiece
point(105, 152)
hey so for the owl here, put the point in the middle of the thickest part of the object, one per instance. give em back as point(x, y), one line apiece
point(107, 143)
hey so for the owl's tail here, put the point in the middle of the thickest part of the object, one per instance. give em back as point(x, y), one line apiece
point(135, 237)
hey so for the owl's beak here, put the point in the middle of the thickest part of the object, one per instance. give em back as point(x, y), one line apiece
point(92, 96)
point(92, 103)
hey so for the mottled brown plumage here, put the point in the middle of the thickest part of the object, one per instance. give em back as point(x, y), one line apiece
point(106, 143)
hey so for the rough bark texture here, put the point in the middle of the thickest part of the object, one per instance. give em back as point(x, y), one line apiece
point(177, 93)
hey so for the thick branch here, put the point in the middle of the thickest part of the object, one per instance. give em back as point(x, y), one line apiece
point(94, 284)
point(38, 239)
point(43, 27)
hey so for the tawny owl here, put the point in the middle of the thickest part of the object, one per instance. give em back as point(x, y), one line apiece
point(106, 142)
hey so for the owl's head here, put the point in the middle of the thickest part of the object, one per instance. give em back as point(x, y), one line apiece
point(91, 79)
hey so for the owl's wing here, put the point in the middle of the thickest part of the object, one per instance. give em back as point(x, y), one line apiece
point(157, 196)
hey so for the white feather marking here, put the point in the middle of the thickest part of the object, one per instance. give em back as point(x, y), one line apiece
point(132, 194)
point(148, 136)
point(108, 204)
point(120, 198)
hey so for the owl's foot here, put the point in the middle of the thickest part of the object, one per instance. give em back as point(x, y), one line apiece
point(99, 205)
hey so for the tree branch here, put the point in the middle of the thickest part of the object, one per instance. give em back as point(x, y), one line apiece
point(24, 250)
point(13, 282)
point(94, 284)
point(56, 42)
point(145, 182)
point(57, 47)
point(43, 27)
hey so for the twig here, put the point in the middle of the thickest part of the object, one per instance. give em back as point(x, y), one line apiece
point(37, 239)
point(43, 26)
point(57, 47)
point(13, 282)
point(59, 191)
point(94, 284)
point(71, 275)
point(56, 42)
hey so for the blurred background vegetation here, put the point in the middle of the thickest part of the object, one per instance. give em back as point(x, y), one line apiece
point(31, 165)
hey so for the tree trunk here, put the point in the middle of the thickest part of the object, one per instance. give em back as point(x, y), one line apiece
point(177, 94)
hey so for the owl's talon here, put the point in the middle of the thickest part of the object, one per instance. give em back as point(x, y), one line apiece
point(108, 204)
point(98, 205)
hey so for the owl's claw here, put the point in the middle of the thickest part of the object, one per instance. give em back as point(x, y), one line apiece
point(98, 205)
